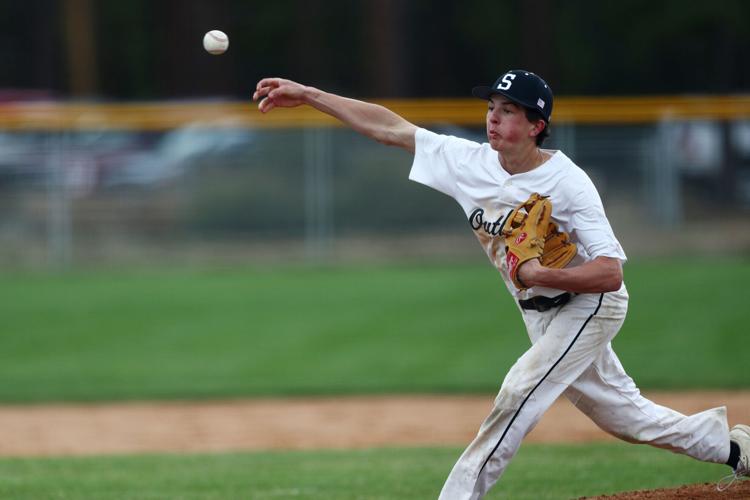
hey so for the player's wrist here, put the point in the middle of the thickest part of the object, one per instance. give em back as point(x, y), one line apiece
point(526, 274)
point(311, 95)
point(540, 275)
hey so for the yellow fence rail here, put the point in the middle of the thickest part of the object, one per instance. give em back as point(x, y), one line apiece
point(169, 115)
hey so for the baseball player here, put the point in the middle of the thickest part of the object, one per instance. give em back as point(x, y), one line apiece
point(515, 194)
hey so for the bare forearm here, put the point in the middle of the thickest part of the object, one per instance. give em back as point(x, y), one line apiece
point(603, 274)
point(371, 120)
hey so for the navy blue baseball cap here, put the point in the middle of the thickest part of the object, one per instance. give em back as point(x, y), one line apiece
point(522, 87)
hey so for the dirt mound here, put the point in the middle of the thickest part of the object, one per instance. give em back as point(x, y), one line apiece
point(706, 491)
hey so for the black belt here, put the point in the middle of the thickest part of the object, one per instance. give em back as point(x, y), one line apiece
point(541, 303)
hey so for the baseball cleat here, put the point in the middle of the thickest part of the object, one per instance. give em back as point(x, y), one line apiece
point(740, 434)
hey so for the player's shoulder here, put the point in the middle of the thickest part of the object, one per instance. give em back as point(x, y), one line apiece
point(569, 170)
point(570, 184)
point(562, 162)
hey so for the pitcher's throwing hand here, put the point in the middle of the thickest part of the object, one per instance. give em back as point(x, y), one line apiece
point(278, 93)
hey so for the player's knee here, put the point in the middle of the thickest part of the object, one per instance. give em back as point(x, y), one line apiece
point(510, 397)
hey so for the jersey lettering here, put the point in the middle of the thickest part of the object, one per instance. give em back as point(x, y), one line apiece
point(506, 81)
point(477, 222)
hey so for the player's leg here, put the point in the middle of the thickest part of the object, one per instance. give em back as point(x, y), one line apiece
point(607, 395)
point(566, 341)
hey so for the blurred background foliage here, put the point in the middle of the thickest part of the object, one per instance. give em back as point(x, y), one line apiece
point(146, 49)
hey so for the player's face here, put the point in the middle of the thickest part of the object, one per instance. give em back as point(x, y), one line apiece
point(507, 126)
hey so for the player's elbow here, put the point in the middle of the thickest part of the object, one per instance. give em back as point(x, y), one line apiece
point(614, 284)
point(613, 281)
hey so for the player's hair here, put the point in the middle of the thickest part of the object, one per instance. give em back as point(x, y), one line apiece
point(534, 116)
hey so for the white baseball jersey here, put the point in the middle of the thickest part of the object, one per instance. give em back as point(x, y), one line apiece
point(471, 174)
point(571, 352)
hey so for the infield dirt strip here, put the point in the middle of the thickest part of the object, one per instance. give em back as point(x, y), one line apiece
point(297, 423)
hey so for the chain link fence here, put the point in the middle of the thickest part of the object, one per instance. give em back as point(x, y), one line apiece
point(197, 193)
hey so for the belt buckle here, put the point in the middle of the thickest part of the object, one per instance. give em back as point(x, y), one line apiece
point(541, 307)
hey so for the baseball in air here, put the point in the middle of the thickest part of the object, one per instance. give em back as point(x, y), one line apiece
point(215, 42)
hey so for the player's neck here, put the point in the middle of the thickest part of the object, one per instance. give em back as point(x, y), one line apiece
point(518, 162)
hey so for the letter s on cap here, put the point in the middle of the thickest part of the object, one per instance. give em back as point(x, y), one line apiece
point(506, 81)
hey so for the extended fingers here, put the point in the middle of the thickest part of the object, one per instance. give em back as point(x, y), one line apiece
point(268, 82)
point(265, 86)
point(265, 105)
point(277, 92)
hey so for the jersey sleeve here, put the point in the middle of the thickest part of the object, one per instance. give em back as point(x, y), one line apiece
point(437, 160)
point(591, 227)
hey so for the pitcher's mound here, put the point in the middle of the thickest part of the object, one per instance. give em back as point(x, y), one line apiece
point(738, 491)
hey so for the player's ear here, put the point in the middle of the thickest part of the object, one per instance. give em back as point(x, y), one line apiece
point(537, 127)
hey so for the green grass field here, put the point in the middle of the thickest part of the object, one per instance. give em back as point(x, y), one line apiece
point(297, 330)
point(537, 473)
point(147, 334)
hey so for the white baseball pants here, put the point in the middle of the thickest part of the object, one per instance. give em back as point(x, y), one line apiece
point(572, 355)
